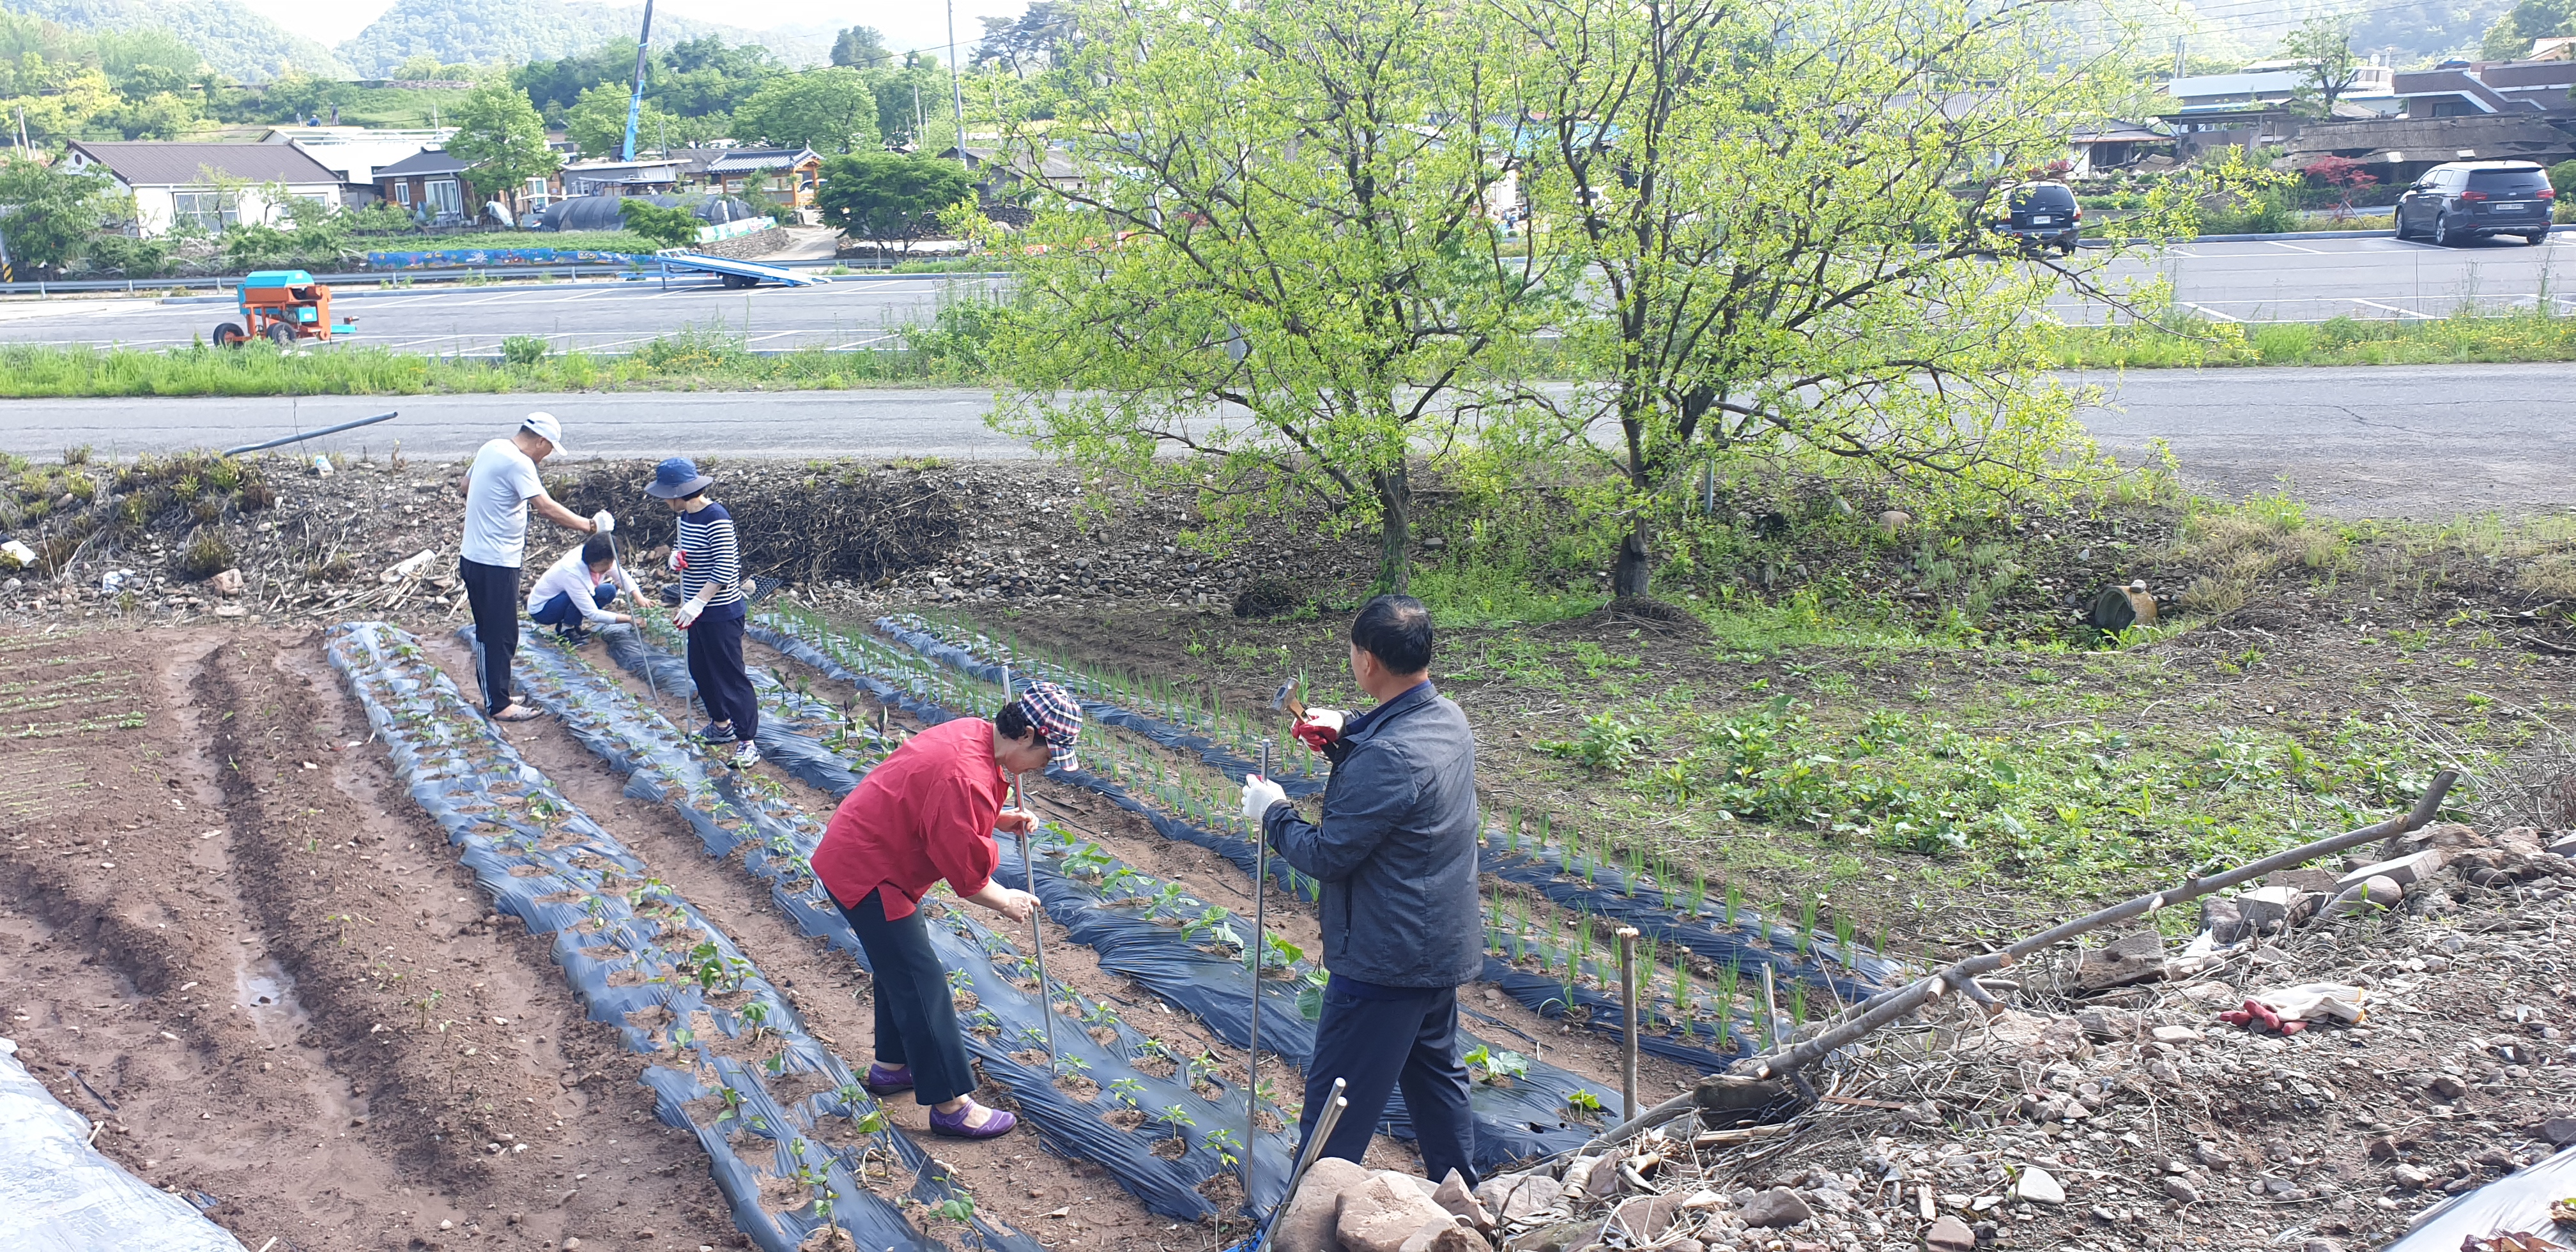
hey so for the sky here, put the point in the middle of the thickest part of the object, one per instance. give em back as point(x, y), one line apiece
point(906, 26)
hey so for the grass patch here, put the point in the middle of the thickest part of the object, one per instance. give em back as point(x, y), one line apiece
point(691, 360)
point(2461, 337)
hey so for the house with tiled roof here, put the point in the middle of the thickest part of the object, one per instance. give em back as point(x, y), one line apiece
point(207, 186)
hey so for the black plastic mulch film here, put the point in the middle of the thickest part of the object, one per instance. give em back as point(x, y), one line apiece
point(1601, 890)
point(730, 810)
point(547, 863)
point(1528, 1117)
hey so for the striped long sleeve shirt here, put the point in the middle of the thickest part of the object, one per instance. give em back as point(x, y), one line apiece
point(714, 568)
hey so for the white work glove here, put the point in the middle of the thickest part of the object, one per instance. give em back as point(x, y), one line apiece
point(603, 522)
point(1259, 794)
point(687, 613)
point(679, 560)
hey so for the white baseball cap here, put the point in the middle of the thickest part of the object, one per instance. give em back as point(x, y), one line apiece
point(544, 426)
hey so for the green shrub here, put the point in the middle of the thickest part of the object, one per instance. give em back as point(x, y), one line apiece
point(207, 556)
point(670, 228)
point(523, 349)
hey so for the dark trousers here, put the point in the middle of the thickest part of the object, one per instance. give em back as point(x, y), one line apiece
point(916, 1021)
point(493, 592)
point(715, 661)
point(558, 610)
point(1379, 1046)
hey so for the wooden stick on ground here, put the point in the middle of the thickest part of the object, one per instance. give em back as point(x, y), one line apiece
point(1890, 1006)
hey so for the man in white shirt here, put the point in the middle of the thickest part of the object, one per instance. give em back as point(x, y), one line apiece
point(498, 490)
point(574, 593)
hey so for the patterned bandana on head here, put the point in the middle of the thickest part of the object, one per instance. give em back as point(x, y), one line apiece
point(1053, 711)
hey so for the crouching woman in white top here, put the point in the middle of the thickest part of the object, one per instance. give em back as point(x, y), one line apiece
point(574, 593)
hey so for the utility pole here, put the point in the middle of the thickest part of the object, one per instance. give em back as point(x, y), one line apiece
point(2179, 61)
point(957, 88)
point(916, 115)
point(635, 103)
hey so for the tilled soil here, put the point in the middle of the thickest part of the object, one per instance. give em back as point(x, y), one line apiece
point(234, 941)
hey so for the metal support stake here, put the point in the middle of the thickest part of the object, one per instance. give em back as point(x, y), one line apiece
point(1628, 1020)
point(1335, 1104)
point(1252, 949)
point(1770, 1011)
point(1037, 930)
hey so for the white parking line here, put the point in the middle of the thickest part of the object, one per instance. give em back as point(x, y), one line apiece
point(2224, 317)
point(2294, 247)
point(2374, 304)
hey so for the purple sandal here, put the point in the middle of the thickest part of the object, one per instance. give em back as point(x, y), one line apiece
point(954, 1125)
point(883, 1080)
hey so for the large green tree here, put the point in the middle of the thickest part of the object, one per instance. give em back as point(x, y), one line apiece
point(597, 121)
point(2511, 36)
point(2321, 49)
point(48, 213)
point(828, 110)
point(860, 47)
point(1270, 252)
point(890, 199)
point(499, 135)
point(1782, 207)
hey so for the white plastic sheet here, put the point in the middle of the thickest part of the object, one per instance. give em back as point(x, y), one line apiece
point(2516, 1202)
point(57, 1194)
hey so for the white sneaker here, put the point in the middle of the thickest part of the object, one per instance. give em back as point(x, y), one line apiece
point(747, 757)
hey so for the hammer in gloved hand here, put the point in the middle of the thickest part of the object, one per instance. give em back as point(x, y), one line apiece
point(1315, 727)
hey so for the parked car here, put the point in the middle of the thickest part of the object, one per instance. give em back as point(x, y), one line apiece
point(2460, 200)
point(2041, 215)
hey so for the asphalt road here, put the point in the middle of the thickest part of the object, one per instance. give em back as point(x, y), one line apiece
point(2384, 441)
point(2303, 280)
point(2373, 278)
point(608, 315)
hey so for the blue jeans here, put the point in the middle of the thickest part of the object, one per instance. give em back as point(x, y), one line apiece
point(558, 610)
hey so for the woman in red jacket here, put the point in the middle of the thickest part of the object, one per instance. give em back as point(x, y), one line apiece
point(928, 813)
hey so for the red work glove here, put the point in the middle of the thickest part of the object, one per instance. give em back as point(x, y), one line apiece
point(1319, 727)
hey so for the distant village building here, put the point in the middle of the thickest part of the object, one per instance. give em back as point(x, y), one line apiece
point(207, 186)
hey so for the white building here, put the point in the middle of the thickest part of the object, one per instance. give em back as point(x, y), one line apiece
point(210, 185)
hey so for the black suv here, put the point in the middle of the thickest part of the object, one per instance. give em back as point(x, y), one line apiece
point(2041, 215)
point(2459, 200)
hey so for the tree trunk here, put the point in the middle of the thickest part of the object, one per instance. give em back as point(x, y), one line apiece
point(1634, 570)
point(1395, 534)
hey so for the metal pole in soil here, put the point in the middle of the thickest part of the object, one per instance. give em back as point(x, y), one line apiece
point(1037, 930)
point(1335, 1103)
point(1770, 1010)
point(1628, 1020)
point(1252, 949)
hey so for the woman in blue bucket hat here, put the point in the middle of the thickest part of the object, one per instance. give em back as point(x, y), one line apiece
point(712, 605)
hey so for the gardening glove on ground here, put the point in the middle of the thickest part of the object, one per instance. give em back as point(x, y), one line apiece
point(603, 522)
point(1259, 794)
point(1319, 727)
point(687, 613)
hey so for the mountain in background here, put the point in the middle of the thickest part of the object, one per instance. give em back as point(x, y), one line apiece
point(234, 40)
point(2406, 33)
point(477, 32)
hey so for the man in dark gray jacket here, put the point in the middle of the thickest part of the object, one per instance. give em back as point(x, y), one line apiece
point(1403, 925)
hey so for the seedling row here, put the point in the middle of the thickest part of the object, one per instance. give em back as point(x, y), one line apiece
point(1534, 1108)
point(1162, 1124)
point(792, 1139)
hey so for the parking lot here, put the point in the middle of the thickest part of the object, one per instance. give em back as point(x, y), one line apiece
point(2372, 277)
